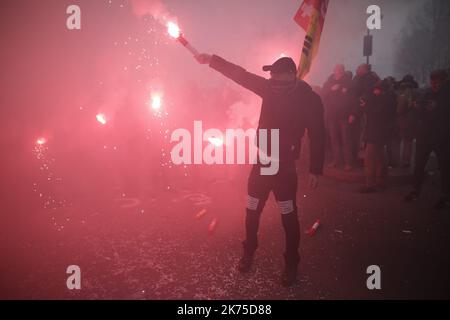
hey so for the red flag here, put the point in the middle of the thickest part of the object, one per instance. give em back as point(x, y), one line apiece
point(311, 18)
point(307, 9)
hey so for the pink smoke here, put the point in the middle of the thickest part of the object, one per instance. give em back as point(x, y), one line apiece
point(154, 8)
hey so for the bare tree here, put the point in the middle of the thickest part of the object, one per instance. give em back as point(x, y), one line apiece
point(425, 44)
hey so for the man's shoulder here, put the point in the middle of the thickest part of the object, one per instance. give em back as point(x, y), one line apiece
point(302, 87)
point(308, 99)
point(309, 92)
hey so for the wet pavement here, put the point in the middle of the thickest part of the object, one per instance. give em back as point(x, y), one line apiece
point(164, 246)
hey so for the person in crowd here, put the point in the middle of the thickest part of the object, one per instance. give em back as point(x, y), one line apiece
point(337, 102)
point(290, 106)
point(379, 109)
point(433, 135)
point(361, 87)
point(405, 124)
point(392, 83)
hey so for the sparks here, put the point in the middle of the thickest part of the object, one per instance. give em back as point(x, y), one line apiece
point(173, 30)
point(101, 118)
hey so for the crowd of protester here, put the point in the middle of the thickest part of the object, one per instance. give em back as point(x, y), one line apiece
point(374, 123)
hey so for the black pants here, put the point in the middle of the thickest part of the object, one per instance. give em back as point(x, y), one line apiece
point(284, 187)
point(341, 141)
point(423, 150)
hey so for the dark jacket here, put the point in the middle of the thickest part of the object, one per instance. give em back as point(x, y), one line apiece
point(380, 114)
point(362, 85)
point(434, 115)
point(338, 103)
point(406, 123)
point(290, 108)
point(361, 88)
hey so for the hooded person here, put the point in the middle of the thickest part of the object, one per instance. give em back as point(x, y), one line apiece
point(292, 107)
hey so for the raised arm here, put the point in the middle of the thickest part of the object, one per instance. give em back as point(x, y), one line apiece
point(250, 81)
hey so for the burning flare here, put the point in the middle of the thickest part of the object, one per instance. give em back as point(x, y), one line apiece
point(156, 101)
point(173, 30)
point(101, 118)
point(41, 141)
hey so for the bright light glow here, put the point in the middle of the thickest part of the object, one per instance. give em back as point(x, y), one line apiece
point(101, 118)
point(218, 142)
point(173, 30)
point(156, 101)
point(41, 141)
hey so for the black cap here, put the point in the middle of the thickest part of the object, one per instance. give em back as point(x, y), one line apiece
point(282, 65)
